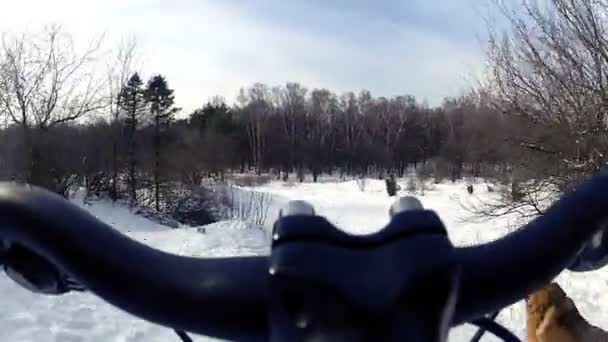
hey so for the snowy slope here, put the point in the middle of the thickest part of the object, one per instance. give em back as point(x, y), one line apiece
point(81, 317)
point(359, 212)
point(76, 317)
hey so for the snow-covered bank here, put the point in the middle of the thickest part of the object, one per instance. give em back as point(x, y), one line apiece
point(362, 212)
point(76, 317)
point(82, 317)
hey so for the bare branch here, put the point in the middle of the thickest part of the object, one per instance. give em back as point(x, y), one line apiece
point(45, 81)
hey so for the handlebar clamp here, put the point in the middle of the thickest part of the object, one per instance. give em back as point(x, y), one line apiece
point(328, 285)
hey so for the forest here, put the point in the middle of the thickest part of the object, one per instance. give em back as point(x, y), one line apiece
point(536, 123)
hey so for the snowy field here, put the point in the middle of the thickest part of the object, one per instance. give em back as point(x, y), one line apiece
point(82, 317)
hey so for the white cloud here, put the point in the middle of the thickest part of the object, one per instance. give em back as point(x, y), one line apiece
point(209, 47)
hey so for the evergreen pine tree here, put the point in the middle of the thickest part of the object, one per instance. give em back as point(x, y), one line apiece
point(161, 100)
point(132, 104)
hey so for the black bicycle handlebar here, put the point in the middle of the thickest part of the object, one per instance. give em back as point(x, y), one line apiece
point(379, 274)
point(218, 297)
point(502, 272)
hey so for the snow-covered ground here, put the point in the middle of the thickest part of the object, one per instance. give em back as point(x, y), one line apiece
point(82, 317)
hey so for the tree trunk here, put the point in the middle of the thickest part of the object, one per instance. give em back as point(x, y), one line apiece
point(477, 169)
point(30, 159)
point(285, 176)
point(114, 190)
point(401, 169)
point(315, 174)
point(36, 173)
point(85, 176)
point(251, 134)
point(260, 146)
point(157, 162)
point(300, 173)
point(132, 162)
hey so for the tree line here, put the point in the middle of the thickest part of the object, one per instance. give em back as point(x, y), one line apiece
point(287, 131)
point(124, 137)
point(537, 123)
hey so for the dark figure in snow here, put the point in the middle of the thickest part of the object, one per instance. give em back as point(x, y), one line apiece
point(391, 185)
point(470, 189)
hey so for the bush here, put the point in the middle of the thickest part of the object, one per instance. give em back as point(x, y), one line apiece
point(189, 205)
point(159, 218)
point(195, 207)
point(411, 185)
point(251, 180)
point(391, 186)
point(424, 172)
point(439, 168)
point(245, 205)
point(100, 184)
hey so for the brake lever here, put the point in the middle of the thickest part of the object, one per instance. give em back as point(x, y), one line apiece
point(594, 255)
point(329, 285)
point(34, 272)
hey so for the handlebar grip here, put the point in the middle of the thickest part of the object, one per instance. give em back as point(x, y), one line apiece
point(204, 296)
point(502, 272)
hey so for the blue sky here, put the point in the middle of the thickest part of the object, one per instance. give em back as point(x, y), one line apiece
point(430, 49)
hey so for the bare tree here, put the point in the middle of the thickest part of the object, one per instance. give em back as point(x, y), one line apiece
point(349, 128)
point(403, 110)
point(549, 69)
point(320, 120)
point(45, 82)
point(255, 111)
point(292, 101)
point(119, 70)
point(552, 69)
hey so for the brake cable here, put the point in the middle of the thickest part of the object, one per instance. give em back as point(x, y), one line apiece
point(487, 324)
point(479, 334)
point(183, 336)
